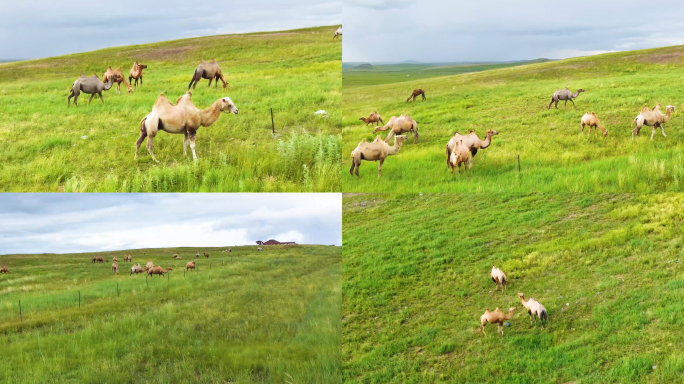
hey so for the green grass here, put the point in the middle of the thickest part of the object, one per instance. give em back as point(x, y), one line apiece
point(608, 268)
point(296, 73)
point(249, 317)
point(553, 154)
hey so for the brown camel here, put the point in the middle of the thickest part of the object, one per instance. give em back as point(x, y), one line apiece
point(377, 150)
point(535, 310)
point(653, 118)
point(398, 126)
point(115, 267)
point(499, 278)
point(136, 74)
point(136, 269)
point(416, 93)
point(592, 120)
point(183, 118)
point(5, 270)
point(128, 258)
point(99, 259)
point(374, 118)
point(157, 271)
point(496, 317)
point(118, 77)
point(459, 156)
point(206, 255)
point(190, 265)
point(472, 142)
point(210, 71)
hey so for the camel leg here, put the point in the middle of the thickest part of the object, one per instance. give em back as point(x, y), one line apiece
point(582, 125)
point(216, 82)
point(191, 81)
point(380, 166)
point(573, 103)
point(141, 80)
point(551, 103)
point(663, 130)
point(351, 170)
point(130, 80)
point(653, 131)
point(210, 82)
point(185, 144)
point(192, 133)
point(566, 103)
point(91, 98)
point(149, 148)
point(101, 99)
point(358, 164)
point(557, 104)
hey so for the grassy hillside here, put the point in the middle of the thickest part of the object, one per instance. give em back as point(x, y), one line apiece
point(51, 147)
point(244, 317)
point(606, 267)
point(513, 101)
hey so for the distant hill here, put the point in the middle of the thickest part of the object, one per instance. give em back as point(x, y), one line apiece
point(364, 66)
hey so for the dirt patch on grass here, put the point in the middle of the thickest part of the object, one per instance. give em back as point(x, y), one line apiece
point(663, 58)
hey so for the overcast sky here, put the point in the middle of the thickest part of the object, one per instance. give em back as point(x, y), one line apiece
point(504, 30)
point(92, 222)
point(41, 28)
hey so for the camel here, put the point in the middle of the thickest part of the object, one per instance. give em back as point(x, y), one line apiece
point(210, 71)
point(190, 265)
point(149, 266)
point(128, 258)
point(653, 118)
point(5, 270)
point(136, 269)
point(89, 85)
point(472, 142)
point(416, 93)
point(115, 267)
point(136, 74)
point(535, 310)
point(374, 151)
point(499, 277)
point(230, 250)
point(592, 120)
point(206, 255)
point(259, 249)
point(118, 76)
point(564, 94)
point(175, 256)
point(496, 317)
point(115, 259)
point(197, 255)
point(157, 271)
point(183, 118)
point(459, 156)
point(373, 118)
point(338, 33)
point(399, 125)
point(99, 259)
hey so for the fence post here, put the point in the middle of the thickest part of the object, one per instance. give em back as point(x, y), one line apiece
point(117, 289)
point(272, 124)
point(20, 315)
point(518, 163)
point(79, 299)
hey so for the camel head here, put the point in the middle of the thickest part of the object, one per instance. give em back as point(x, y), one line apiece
point(580, 91)
point(491, 132)
point(521, 296)
point(670, 108)
point(399, 140)
point(228, 105)
point(511, 310)
point(141, 66)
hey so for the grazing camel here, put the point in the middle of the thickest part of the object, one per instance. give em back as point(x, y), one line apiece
point(210, 71)
point(182, 118)
point(416, 93)
point(653, 118)
point(115, 267)
point(374, 151)
point(128, 258)
point(460, 155)
point(206, 255)
point(136, 269)
point(499, 277)
point(472, 142)
point(592, 120)
point(157, 271)
point(398, 126)
point(175, 256)
point(190, 265)
point(373, 118)
point(564, 94)
point(118, 76)
point(149, 266)
point(496, 317)
point(5, 270)
point(89, 85)
point(99, 259)
point(136, 74)
point(338, 33)
point(535, 310)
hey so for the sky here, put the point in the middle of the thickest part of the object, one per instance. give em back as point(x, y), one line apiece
point(33, 29)
point(93, 222)
point(504, 30)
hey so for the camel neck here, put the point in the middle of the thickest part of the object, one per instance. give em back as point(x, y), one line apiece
point(393, 150)
point(211, 114)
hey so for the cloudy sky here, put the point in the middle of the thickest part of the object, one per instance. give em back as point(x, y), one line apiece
point(91, 222)
point(504, 30)
point(41, 28)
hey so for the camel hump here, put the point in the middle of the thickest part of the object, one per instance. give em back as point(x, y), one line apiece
point(118, 69)
point(110, 67)
point(201, 61)
point(593, 113)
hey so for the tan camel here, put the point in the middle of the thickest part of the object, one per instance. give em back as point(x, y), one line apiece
point(499, 278)
point(592, 120)
point(472, 142)
point(416, 93)
point(115, 259)
point(136, 269)
point(535, 310)
point(459, 156)
point(378, 150)
point(118, 77)
point(653, 118)
point(5, 270)
point(398, 126)
point(210, 71)
point(149, 266)
point(99, 259)
point(206, 255)
point(496, 317)
point(190, 265)
point(338, 33)
point(374, 118)
point(136, 74)
point(157, 271)
point(183, 118)
point(259, 249)
point(115, 267)
point(128, 258)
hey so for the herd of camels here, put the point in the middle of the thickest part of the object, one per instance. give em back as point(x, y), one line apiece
point(461, 149)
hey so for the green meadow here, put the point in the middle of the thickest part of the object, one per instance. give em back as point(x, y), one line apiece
point(242, 317)
point(554, 155)
point(51, 147)
point(609, 269)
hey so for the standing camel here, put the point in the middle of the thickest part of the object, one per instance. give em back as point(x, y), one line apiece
point(206, 255)
point(377, 150)
point(90, 85)
point(398, 126)
point(472, 142)
point(118, 77)
point(416, 93)
point(136, 74)
point(190, 265)
point(183, 118)
point(499, 278)
point(535, 310)
point(338, 33)
point(210, 71)
point(497, 317)
point(459, 156)
point(564, 94)
point(115, 267)
point(592, 120)
point(653, 118)
point(373, 118)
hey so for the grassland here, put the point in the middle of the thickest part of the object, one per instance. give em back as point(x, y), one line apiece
point(513, 101)
point(51, 147)
point(244, 317)
point(607, 267)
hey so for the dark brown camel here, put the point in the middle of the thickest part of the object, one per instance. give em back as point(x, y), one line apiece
point(416, 93)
